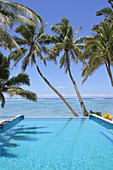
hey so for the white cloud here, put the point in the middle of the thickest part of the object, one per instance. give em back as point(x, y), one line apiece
point(97, 95)
point(47, 95)
point(74, 95)
point(60, 87)
point(53, 95)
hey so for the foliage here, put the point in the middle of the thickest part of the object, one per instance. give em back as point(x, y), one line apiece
point(108, 116)
point(30, 44)
point(107, 12)
point(13, 13)
point(96, 113)
point(11, 85)
point(98, 51)
point(64, 41)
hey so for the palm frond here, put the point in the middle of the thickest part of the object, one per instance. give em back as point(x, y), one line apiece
point(8, 40)
point(25, 62)
point(15, 91)
point(4, 67)
point(4, 20)
point(40, 35)
point(105, 12)
point(20, 41)
point(88, 71)
point(57, 30)
point(23, 20)
point(80, 40)
point(76, 31)
point(27, 31)
point(21, 9)
point(20, 79)
point(62, 59)
point(74, 58)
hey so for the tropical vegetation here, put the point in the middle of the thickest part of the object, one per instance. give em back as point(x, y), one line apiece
point(32, 47)
point(32, 42)
point(10, 14)
point(107, 12)
point(11, 85)
point(64, 41)
point(99, 50)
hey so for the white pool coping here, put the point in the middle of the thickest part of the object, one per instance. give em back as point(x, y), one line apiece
point(5, 125)
point(102, 118)
point(2, 120)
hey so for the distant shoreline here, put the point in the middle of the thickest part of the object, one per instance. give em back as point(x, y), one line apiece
point(60, 99)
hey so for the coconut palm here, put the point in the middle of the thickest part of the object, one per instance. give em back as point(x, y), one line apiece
point(11, 85)
point(106, 12)
point(11, 13)
point(64, 41)
point(32, 47)
point(99, 51)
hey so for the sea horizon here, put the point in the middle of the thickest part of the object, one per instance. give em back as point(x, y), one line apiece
point(54, 107)
point(45, 98)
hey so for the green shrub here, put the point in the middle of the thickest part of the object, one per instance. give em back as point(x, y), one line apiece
point(96, 113)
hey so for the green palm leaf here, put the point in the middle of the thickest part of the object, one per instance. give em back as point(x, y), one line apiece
point(10, 85)
point(15, 91)
point(8, 40)
point(20, 79)
point(98, 50)
point(18, 8)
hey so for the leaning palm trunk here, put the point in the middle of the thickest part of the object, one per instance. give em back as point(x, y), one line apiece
point(109, 72)
point(67, 104)
point(84, 111)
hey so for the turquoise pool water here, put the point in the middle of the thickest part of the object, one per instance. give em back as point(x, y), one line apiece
point(57, 144)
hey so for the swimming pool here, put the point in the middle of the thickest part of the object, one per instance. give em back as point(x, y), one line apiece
point(57, 143)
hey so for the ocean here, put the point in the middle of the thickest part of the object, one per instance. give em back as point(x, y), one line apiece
point(51, 108)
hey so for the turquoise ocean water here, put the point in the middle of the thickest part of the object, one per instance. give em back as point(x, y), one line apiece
point(53, 107)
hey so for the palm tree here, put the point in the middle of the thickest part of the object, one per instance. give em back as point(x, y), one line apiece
point(11, 13)
point(11, 85)
point(99, 50)
point(64, 40)
point(106, 12)
point(31, 46)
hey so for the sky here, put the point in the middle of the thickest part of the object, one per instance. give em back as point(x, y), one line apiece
point(79, 13)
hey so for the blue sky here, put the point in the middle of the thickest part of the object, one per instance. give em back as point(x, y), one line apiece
point(79, 13)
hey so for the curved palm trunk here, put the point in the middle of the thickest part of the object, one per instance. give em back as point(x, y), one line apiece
point(109, 72)
point(2, 98)
point(84, 111)
point(67, 104)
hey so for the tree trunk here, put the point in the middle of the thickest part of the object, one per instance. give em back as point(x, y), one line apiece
point(109, 72)
point(84, 111)
point(67, 104)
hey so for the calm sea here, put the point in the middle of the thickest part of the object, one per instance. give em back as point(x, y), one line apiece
point(53, 107)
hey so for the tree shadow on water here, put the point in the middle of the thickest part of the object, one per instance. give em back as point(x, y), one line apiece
point(21, 133)
point(30, 128)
